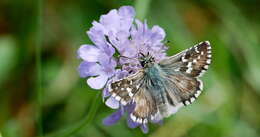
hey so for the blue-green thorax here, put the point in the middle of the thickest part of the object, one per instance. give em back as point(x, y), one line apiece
point(155, 73)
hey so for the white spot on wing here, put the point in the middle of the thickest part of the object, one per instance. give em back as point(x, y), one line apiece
point(189, 67)
point(137, 86)
point(139, 120)
point(201, 73)
point(206, 66)
point(208, 61)
point(189, 64)
point(198, 93)
point(177, 69)
point(196, 50)
point(123, 102)
point(183, 58)
point(130, 94)
point(128, 89)
point(133, 117)
point(192, 99)
point(187, 102)
point(152, 117)
point(118, 98)
point(113, 94)
point(189, 70)
point(201, 84)
point(145, 120)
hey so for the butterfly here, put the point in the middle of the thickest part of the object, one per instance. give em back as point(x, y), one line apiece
point(160, 89)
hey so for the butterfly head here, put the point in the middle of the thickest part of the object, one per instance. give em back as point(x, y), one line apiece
point(146, 60)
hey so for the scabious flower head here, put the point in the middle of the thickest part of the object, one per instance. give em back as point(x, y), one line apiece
point(118, 39)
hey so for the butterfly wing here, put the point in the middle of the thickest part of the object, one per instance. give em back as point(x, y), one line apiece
point(145, 105)
point(123, 90)
point(192, 62)
point(135, 88)
point(180, 87)
point(181, 74)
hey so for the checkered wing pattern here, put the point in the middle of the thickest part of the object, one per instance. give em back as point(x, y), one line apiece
point(183, 71)
point(172, 83)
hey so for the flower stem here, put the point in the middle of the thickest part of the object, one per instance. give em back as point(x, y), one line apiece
point(38, 89)
point(83, 124)
point(142, 7)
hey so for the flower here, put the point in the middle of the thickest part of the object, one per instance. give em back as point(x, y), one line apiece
point(118, 33)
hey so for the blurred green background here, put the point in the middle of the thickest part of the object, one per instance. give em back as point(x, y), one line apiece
point(41, 93)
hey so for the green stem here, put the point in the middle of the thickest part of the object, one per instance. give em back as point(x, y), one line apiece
point(38, 68)
point(83, 124)
point(142, 7)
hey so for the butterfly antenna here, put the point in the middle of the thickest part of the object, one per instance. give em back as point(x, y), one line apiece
point(140, 53)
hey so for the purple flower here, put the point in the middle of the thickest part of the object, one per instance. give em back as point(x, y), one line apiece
point(118, 32)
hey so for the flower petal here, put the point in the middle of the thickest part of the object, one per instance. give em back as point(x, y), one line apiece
point(89, 53)
point(105, 61)
point(130, 108)
point(97, 82)
point(87, 69)
point(121, 74)
point(158, 34)
point(108, 65)
point(105, 93)
point(99, 27)
point(111, 21)
point(112, 103)
point(126, 11)
point(113, 118)
point(144, 128)
point(131, 123)
point(108, 50)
